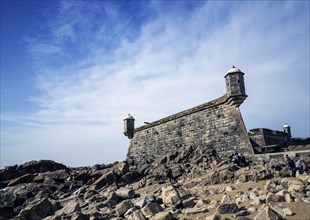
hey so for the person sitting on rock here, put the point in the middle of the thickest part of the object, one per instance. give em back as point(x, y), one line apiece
point(235, 158)
point(287, 159)
point(303, 167)
point(242, 160)
point(298, 165)
point(292, 167)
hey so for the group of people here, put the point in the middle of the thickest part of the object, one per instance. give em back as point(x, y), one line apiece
point(298, 165)
point(239, 159)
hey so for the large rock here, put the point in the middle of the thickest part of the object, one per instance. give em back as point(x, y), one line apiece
point(171, 196)
point(283, 211)
point(59, 176)
point(134, 215)
point(34, 166)
point(267, 214)
point(104, 180)
point(189, 202)
point(227, 205)
point(125, 193)
point(121, 168)
point(151, 209)
point(123, 207)
point(144, 200)
point(162, 216)
point(37, 209)
point(27, 178)
point(293, 184)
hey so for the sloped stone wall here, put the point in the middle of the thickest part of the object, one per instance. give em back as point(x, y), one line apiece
point(216, 124)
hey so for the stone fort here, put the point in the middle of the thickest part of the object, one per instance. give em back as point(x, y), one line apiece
point(217, 124)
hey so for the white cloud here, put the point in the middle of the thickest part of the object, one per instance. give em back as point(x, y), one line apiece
point(174, 63)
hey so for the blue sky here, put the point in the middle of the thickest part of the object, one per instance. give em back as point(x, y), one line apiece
point(72, 70)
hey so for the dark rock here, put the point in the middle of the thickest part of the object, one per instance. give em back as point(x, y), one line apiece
point(82, 176)
point(34, 166)
point(241, 213)
point(113, 197)
point(124, 193)
point(134, 214)
point(121, 168)
point(267, 213)
point(162, 216)
point(58, 176)
point(171, 196)
point(151, 209)
point(189, 202)
point(123, 207)
point(227, 205)
point(104, 180)
point(37, 209)
point(27, 178)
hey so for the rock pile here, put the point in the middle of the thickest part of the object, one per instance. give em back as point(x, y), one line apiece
point(190, 184)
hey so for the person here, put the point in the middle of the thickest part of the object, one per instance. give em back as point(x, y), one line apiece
point(303, 167)
point(242, 160)
point(235, 158)
point(287, 159)
point(292, 167)
point(298, 164)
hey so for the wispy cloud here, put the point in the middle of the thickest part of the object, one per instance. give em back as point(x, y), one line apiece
point(107, 63)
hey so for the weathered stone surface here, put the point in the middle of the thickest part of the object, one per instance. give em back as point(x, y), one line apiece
point(271, 197)
point(267, 214)
point(145, 199)
point(124, 193)
point(27, 178)
point(135, 215)
point(151, 209)
point(71, 207)
point(194, 211)
point(121, 168)
point(162, 216)
point(258, 200)
point(227, 205)
point(59, 176)
point(171, 196)
point(229, 188)
point(123, 207)
point(283, 211)
point(215, 217)
point(213, 204)
point(305, 199)
point(202, 203)
point(40, 166)
point(292, 184)
point(105, 179)
point(241, 213)
point(288, 198)
point(252, 209)
point(37, 209)
point(189, 202)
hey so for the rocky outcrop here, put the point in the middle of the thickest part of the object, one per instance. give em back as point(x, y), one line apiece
point(183, 185)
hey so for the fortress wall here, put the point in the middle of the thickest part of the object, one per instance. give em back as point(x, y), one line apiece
point(216, 124)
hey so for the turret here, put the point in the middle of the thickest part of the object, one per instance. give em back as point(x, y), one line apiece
point(235, 89)
point(287, 130)
point(129, 126)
